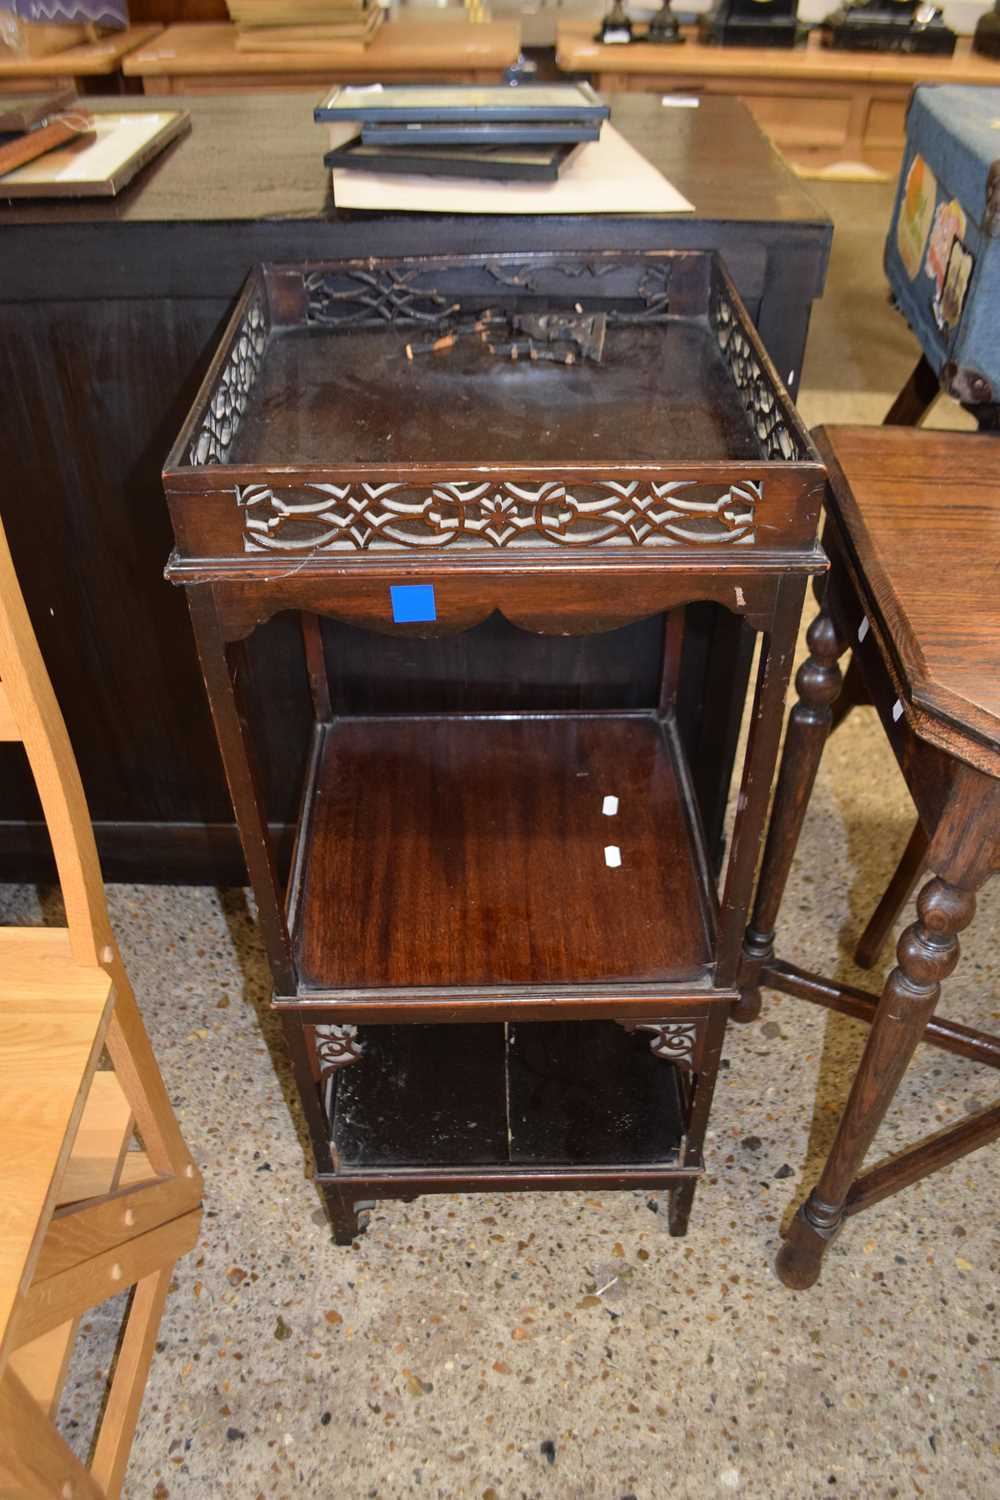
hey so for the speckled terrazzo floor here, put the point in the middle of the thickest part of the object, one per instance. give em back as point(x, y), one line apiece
point(514, 1347)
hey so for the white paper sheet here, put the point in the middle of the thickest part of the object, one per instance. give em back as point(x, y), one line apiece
point(607, 176)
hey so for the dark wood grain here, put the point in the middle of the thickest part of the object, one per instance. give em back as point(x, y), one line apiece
point(457, 852)
point(920, 515)
point(656, 391)
point(170, 12)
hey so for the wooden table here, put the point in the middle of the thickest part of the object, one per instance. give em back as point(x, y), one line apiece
point(108, 313)
point(817, 105)
point(203, 58)
point(93, 67)
point(913, 537)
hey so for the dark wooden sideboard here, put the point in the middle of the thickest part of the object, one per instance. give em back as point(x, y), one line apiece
point(108, 315)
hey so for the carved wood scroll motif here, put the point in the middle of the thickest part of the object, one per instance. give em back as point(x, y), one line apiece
point(674, 1041)
point(336, 1046)
point(497, 514)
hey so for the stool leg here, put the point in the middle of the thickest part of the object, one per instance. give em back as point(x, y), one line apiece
point(817, 683)
point(927, 952)
point(916, 398)
point(894, 898)
point(853, 694)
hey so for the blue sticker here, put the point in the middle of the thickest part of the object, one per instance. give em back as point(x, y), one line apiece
point(412, 602)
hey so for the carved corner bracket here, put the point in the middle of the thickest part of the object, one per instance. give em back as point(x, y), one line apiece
point(678, 1042)
point(333, 1047)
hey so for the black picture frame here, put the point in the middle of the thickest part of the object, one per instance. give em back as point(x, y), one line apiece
point(421, 133)
point(500, 164)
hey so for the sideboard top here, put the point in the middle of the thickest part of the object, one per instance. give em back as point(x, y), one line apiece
point(252, 158)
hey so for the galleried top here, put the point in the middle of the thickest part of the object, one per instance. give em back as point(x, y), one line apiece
point(611, 401)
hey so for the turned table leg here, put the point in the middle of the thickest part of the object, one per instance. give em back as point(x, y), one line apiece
point(817, 683)
point(927, 953)
point(897, 893)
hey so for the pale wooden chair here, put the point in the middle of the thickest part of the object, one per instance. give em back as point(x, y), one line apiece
point(82, 1217)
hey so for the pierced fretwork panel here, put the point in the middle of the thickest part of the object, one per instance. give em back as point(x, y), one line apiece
point(212, 442)
point(498, 514)
point(370, 297)
point(757, 391)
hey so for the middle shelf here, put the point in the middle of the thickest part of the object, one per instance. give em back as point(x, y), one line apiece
point(452, 852)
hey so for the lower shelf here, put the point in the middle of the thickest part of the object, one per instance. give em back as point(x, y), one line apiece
point(563, 1097)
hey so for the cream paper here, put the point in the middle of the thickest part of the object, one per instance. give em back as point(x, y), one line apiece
point(607, 176)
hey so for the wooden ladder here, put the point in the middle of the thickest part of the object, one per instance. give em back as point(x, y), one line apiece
point(82, 1217)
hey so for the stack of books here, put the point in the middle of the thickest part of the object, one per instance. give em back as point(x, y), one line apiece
point(304, 25)
point(506, 133)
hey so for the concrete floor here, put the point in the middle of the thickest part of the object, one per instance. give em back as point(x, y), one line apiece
point(514, 1347)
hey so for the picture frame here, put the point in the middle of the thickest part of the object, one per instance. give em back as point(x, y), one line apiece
point(420, 133)
point(125, 142)
point(499, 163)
point(474, 103)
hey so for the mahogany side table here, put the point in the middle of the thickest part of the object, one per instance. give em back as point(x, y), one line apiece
point(418, 447)
point(913, 537)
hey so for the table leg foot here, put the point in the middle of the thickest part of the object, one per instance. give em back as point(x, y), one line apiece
point(926, 953)
point(348, 1218)
point(747, 1007)
point(800, 1258)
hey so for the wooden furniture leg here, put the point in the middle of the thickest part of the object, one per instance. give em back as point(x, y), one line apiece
point(897, 893)
point(916, 398)
point(348, 1216)
point(927, 953)
point(853, 694)
point(817, 683)
point(694, 1045)
point(679, 1208)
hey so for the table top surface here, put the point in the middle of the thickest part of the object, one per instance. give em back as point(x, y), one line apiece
point(90, 59)
point(399, 46)
point(250, 158)
point(921, 514)
point(576, 51)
